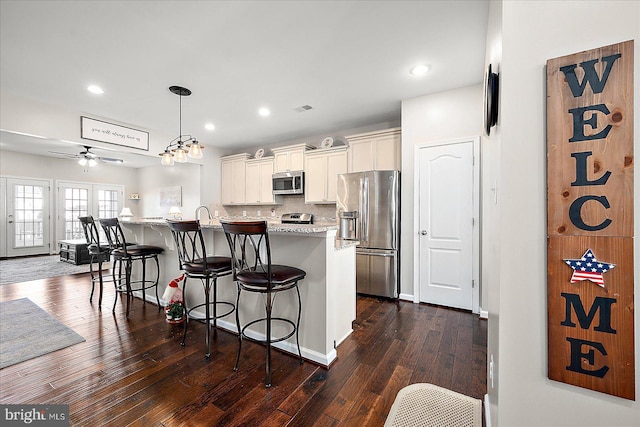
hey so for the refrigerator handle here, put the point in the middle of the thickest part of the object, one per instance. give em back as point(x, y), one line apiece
point(364, 209)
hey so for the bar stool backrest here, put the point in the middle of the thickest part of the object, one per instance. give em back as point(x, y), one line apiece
point(90, 230)
point(190, 246)
point(114, 233)
point(249, 246)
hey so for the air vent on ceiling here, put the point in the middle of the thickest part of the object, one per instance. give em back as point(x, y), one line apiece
point(303, 108)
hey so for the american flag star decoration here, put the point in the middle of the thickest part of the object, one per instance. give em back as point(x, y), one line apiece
point(588, 268)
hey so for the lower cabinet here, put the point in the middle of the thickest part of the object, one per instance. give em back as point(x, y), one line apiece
point(322, 168)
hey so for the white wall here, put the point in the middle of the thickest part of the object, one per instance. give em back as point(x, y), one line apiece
point(153, 179)
point(20, 114)
point(31, 166)
point(13, 164)
point(490, 228)
point(430, 119)
point(532, 32)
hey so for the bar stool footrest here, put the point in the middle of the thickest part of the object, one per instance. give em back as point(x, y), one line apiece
point(273, 340)
point(232, 308)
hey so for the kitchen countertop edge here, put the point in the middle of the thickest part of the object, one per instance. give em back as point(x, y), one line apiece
point(272, 227)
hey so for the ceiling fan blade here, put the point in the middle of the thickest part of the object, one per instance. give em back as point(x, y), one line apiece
point(110, 160)
point(67, 155)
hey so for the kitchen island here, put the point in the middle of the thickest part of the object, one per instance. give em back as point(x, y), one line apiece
point(328, 291)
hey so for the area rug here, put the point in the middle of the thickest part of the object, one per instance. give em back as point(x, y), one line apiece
point(27, 331)
point(430, 405)
point(25, 269)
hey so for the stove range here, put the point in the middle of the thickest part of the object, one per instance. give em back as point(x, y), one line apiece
point(297, 218)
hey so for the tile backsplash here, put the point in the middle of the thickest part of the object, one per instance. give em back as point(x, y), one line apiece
point(288, 204)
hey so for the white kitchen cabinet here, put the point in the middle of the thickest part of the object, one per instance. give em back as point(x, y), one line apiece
point(290, 158)
point(380, 150)
point(233, 179)
point(321, 171)
point(258, 189)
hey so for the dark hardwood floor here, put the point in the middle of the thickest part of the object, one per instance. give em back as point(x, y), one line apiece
point(135, 371)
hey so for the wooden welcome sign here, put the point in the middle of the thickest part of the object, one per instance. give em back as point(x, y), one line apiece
point(590, 220)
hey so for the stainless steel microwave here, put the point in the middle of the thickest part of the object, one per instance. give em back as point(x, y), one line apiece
point(288, 182)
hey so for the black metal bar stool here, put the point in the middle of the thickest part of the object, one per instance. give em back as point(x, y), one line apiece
point(126, 253)
point(97, 253)
point(196, 264)
point(253, 273)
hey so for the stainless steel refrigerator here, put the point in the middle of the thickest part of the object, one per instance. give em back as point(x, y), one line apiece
point(368, 210)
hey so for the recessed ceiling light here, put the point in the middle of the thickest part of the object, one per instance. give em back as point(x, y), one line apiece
point(264, 112)
point(419, 70)
point(209, 126)
point(95, 89)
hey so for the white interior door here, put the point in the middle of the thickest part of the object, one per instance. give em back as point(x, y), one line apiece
point(446, 222)
point(28, 217)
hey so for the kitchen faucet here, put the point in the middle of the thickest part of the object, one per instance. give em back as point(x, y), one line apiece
point(206, 209)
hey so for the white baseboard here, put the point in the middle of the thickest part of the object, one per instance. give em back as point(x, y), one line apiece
point(406, 297)
point(484, 314)
point(289, 347)
point(487, 412)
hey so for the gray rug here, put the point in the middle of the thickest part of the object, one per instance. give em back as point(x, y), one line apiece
point(27, 331)
point(14, 270)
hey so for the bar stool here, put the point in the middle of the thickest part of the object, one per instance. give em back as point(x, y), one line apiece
point(196, 264)
point(252, 273)
point(123, 252)
point(97, 252)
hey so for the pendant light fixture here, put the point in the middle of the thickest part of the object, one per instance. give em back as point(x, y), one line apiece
point(183, 145)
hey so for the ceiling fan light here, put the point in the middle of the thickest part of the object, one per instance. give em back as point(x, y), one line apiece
point(82, 161)
point(92, 162)
point(195, 150)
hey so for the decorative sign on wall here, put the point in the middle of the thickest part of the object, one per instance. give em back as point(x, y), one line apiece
point(590, 220)
point(170, 196)
point(97, 130)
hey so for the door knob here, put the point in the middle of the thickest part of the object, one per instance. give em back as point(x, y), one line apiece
point(423, 232)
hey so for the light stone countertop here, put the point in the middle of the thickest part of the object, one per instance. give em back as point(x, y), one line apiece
point(274, 226)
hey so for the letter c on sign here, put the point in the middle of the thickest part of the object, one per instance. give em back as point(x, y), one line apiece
point(575, 214)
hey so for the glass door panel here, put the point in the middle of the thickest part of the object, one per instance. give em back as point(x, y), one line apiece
point(27, 217)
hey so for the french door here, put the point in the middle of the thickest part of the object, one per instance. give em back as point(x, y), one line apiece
point(27, 222)
point(81, 199)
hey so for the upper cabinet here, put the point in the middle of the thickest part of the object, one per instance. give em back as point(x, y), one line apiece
point(321, 174)
point(379, 150)
point(258, 189)
point(290, 158)
point(233, 178)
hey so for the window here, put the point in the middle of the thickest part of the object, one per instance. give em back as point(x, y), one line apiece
point(76, 203)
point(81, 199)
point(28, 210)
point(107, 203)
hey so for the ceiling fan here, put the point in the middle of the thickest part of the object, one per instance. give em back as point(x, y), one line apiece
point(86, 157)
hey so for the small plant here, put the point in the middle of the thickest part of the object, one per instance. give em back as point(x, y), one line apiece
point(175, 311)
